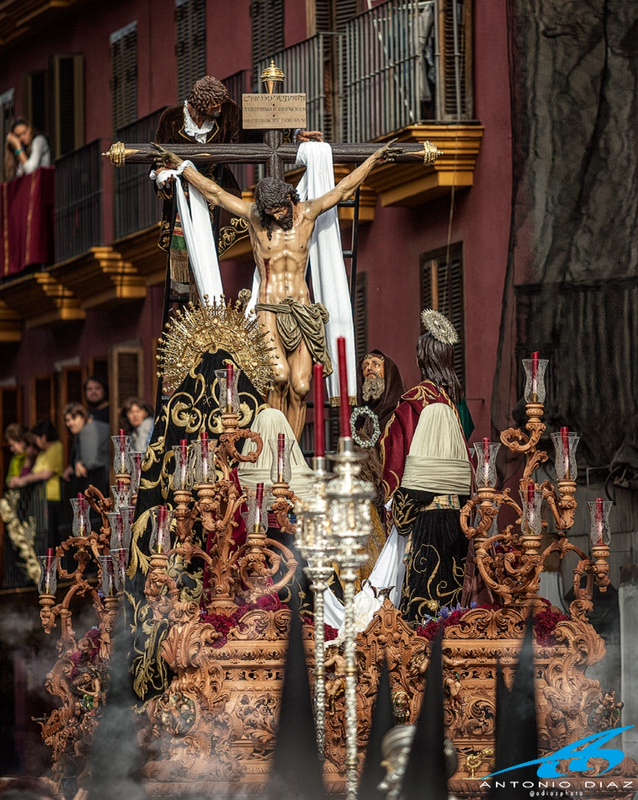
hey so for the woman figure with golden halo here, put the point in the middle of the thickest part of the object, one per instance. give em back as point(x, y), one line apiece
point(427, 474)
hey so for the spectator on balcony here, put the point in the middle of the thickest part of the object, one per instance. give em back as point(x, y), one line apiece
point(48, 466)
point(25, 150)
point(96, 398)
point(24, 451)
point(136, 418)
point(91, 449)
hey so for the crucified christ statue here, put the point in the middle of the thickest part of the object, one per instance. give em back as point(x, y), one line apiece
point(280, 229)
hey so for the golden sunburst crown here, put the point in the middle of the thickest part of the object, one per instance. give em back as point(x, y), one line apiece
point(439, 326)
point(199, 329)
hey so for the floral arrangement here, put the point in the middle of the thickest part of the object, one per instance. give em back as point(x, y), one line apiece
point(545, 621)
point(87, 653)
point(224, 623)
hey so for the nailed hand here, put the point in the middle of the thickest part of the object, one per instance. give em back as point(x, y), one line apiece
point(165, 159)
point(388, 153)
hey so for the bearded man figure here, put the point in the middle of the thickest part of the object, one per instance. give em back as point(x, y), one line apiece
point(280, 228)
point(380, 388)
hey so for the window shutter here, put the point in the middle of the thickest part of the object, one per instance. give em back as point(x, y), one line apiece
point(43, 406)
point(124, 75)
point(128, 376)
point(36, 100)
point(360, 316)
point(65, 103)
point(267, 22)
point(451, 108)
point(442, 290)
point(7, 110)
point(190, 48)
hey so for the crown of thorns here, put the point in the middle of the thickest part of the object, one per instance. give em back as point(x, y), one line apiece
point(439, 326)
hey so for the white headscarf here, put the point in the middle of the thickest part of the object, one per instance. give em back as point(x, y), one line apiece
point(268, 424)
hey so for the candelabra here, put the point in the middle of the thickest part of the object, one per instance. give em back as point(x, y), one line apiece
point(349, 517)
point(318, 549)
point(511, 560)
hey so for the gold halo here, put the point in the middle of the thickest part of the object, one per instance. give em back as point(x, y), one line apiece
point(199, 329)
point(439, 326)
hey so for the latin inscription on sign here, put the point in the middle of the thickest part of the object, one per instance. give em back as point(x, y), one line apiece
point(274, 110)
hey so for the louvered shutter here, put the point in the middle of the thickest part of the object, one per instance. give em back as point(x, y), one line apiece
point(65, 103)
point(128, 375)
point(7, 110)
point(450, 107)
point(442, 290)
point(267, 23)
point(361, 316)
point(190, 48)
point(43, 405)
point(124, 75)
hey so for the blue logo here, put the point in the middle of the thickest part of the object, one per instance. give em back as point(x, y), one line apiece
point(578, 754)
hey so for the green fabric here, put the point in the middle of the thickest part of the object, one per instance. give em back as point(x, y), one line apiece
point(16, 465)
point(466, 419)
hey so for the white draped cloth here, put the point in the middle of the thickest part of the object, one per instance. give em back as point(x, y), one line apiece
point(198, 233)
point(327, 267)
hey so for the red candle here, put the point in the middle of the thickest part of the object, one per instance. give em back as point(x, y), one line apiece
point(344, 408)
point(600, 520)
point(531, 491)
point(49, 558)
point(82, 513)
point(184, 450)
point(564, 435)
point(281, 456)
point(230, 378)
point(535, 360)
point(320, 430)
point(204, 443)
point(259, 502)
point(486, 461)
point(122, 452)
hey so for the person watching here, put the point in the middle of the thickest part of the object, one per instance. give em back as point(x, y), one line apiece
point(137, 420)
point(92, 447)
point(25, 150)
point(96, 397)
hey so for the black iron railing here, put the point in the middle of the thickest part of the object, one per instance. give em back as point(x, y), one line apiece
point(137, 206)
point(78, 201)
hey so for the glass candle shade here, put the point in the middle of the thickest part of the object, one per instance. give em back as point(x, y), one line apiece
point(116, 524)
point(257, 513)
point(48, 582)
point(532, 499)
point(128, 515)
point(599, 531)
point(204, 469)
point(228, 380)
point(160, 540)
point(486, 452)
point(108, 582)
point(280, 449)
point(120, 564)
point(566, 443)
point(136, 458)
point(81, 522)
point(535, 379)
point(121, 462)
point(121, 495)
point(183, 472)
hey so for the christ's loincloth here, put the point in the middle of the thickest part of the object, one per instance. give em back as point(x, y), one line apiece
point(297, 322)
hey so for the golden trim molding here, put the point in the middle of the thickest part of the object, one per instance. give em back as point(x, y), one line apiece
point(142, 251)
point(100, 278)
point(10, 325)
point(41, 300)
point(412, 184)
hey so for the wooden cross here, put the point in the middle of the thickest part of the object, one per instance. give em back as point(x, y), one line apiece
point(273, 153)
